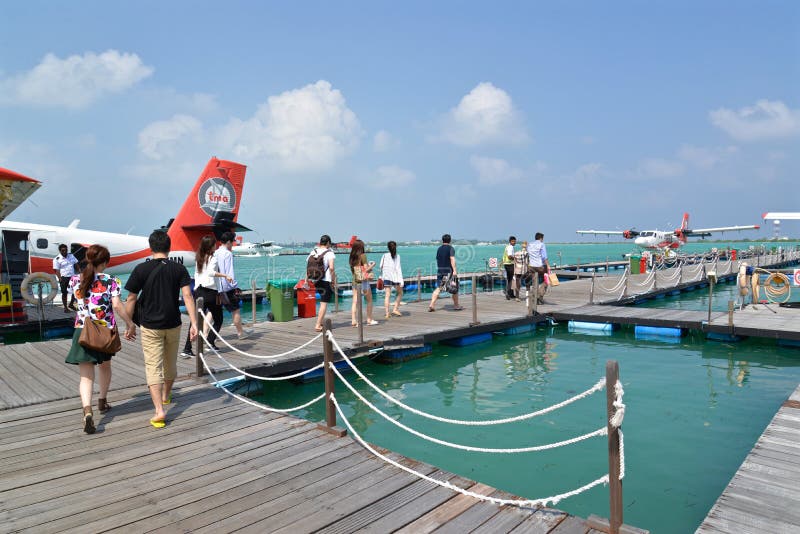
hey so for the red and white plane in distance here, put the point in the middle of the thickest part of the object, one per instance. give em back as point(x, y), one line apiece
point(212, 207)
point(667, 239)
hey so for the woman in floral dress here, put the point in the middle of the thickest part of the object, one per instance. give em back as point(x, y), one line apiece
point(97, 297)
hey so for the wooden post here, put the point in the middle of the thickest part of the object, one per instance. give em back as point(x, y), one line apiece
point(474, 301)
point(591, 290)
point(419, 286)
point(335, 287)
point(253, 299)
point(200, 348)
point(330, 409)
point(578, 270)
point(533, 300)
point(655, 278)
point(606, 265)
point(614, 483)
point(680, 273)
point(710, 298)
point(625, 289)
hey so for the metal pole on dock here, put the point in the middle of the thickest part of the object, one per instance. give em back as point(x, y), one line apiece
point(475, 321)
point(198, 362)
point(253, 299)
point(614, 483)
point(330, 409)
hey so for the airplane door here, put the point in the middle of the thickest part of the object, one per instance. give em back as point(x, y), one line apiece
point(79, 251)
point(16, 259)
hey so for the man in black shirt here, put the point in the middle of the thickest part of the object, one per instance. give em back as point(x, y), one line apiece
point(159, 281)
point(445, 269)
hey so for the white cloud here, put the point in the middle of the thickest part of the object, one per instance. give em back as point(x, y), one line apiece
point(391, 176)
point(74, 82)
point(704, 158)
point(382, 141)
point(493, 171)
point(306, 129)
point(485, 115)
point(768, 119)
point(158, 140)
point(586, 179)
point(661, 168)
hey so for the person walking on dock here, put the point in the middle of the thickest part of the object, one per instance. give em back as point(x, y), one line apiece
point(361, 270)
point(522, 271)
point(206, 273)
point(537, 255)
point(508, 265)
point(324, 277)
point(97, 296)
point(445, 270)
point(229, 287)
point(153, 289)
point(392, 276)
point(64, 267)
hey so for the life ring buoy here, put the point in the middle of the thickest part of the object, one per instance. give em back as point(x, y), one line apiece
point(39, 278)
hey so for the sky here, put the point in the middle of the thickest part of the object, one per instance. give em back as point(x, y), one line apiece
point(407, 120)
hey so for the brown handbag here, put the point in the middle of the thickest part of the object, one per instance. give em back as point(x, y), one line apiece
point(100, 338)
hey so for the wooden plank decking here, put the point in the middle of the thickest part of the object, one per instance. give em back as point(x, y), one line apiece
point(764, 494)
point(223, 466)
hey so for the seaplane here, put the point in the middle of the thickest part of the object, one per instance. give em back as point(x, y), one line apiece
point(667, 240)
point(28, 249)
point(254, 250)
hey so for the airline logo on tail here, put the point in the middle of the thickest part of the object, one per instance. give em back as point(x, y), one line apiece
point(217, 194)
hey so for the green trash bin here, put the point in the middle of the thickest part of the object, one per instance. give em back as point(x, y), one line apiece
point(635, 264)
point(281, 297)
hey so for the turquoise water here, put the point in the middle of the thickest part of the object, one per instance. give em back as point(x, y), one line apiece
point(694, 411)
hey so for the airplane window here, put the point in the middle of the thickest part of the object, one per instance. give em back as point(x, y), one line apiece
point(41, 243)
point(23, 245)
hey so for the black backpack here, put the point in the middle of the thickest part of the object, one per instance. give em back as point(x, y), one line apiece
point(315, 266)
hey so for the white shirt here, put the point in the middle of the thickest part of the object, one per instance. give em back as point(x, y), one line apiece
point(391, 269)
point(510, 254)
point(65, 265)
point(225, 266)
point(204, 274)
point(537, 253)
point(327, 257)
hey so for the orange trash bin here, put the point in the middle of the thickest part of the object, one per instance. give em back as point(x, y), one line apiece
point(643, 265)
point(306, 299)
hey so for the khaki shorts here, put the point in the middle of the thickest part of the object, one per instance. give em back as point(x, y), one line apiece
point(160, 349)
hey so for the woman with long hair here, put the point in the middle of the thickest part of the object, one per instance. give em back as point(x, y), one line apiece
point(392, 275)
point(206, 273)
point(97, 297)
point(361, 270)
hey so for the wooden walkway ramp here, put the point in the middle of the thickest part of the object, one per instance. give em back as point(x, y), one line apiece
point(764, 494)
point(224, 466)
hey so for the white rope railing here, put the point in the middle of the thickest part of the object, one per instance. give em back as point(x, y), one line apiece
point(616, 287)
point(601, 384)
point(258, 377)
point(511, 502)
point(243, 353)
point(536, 448)
point(251, 402)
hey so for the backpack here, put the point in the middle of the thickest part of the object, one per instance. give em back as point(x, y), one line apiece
point(315, 266)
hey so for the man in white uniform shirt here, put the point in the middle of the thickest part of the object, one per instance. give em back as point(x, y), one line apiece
point(64, 267)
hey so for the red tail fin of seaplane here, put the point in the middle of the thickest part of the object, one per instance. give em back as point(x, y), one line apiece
point(212, 207)
point(681, 232)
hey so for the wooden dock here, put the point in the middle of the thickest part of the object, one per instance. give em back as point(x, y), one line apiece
point(226, 466)
point(764, 493)
point(223, 466)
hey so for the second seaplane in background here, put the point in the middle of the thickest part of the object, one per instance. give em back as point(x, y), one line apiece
point(667, 239)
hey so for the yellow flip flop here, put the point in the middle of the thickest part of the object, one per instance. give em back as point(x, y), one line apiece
point(158, 423)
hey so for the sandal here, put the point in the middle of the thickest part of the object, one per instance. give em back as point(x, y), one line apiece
point(396, 313)
point(431, 309)
point(168, 400)
point(458, 308)
point(386, 316)
point(158, 423)
point(88, 421)
point(354, 325)
point(372, 323)
point(103, 406)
